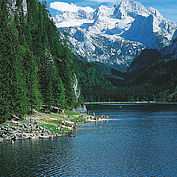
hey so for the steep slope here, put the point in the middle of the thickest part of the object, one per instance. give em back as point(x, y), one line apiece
point(171, 50)
point(162, 77)
point(147, 58)
point(128, 27)
point(94, 86)
point(130, 8)
point(141, 30)
point(35, 66)
point(112, 50)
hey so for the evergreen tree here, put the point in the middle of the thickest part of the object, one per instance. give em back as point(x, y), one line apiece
point(67, 73)
point(11, 60)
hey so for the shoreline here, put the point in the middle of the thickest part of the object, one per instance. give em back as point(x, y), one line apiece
point(41, 125)
point(126, 103)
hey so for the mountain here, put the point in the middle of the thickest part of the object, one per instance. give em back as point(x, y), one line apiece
point(116, 35)
point(159, 80)
point(107, 49)
point(171, 50)
point(147, 58)
point(141, 30)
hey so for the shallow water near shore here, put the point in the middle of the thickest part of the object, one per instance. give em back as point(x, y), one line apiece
point(140, 141)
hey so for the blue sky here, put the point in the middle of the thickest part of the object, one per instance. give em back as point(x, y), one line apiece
point(168, 8)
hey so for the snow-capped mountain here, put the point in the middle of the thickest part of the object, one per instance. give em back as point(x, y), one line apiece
point(116, 35)
point(71, 19)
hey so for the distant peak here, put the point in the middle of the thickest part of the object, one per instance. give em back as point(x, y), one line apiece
point(130, 1)
point(102, 7)
point(154, 11)
point(130, 8)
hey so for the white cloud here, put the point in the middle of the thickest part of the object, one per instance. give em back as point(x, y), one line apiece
point(63, 6)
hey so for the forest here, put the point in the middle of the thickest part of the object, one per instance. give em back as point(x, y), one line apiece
point(154, 80)
point(36, 66)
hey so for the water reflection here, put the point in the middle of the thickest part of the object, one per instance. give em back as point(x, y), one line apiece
point(139, 143)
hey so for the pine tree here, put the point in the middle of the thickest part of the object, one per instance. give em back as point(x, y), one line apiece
point(67, 74)
point(14, 88)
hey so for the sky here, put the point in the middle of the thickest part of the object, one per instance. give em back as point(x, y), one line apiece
point(168, 8)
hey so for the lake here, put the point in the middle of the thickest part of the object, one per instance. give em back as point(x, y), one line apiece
point(140, 141)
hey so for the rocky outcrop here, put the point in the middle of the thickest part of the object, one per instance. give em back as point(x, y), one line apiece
point(17, 130)
point(12, 4)
point(76, 89)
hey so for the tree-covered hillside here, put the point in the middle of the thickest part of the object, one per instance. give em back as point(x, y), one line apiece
point(94, 86)
point(151, 79)
point(35, 66)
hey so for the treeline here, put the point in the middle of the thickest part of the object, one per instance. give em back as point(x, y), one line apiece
point(94, 87)
point(35, 66)
point(156, 83)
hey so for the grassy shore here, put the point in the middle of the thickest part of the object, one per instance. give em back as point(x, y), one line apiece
point(42, 125)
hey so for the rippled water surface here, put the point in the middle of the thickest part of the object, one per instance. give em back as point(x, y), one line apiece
point(140, 141)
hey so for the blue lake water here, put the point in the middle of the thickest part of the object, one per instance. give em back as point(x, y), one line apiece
point(140, 141)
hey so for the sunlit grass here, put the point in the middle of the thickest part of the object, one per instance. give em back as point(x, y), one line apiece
point(70, 113)
point(78, 119)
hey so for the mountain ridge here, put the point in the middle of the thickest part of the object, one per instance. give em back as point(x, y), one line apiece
point(128, 23)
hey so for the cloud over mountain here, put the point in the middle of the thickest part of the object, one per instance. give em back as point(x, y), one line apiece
point(63, 6)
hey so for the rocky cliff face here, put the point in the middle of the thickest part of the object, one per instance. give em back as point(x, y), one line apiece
point(76, 88)
point(13, 7)
point(170, 52)
point(116, 35)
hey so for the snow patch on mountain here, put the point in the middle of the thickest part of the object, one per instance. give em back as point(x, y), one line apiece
point(70, 19)
point(130, 8)
point(105, 48)
point(116, 35)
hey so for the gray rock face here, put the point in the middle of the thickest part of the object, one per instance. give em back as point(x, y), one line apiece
point(12, 4)
point(105, 48)
point(19, 130)
point(117, 35)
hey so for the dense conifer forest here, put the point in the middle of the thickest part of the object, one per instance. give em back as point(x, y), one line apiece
point(35, 66)
point(154, 81)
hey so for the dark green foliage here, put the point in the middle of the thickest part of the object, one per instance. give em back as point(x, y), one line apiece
point(35, 66)
point(161, 77)
point(13, 86)
point(67, 74)
point(94, 86)
point(146, 58)
point(156, 83)
point(110, 73)
point(30, 74)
